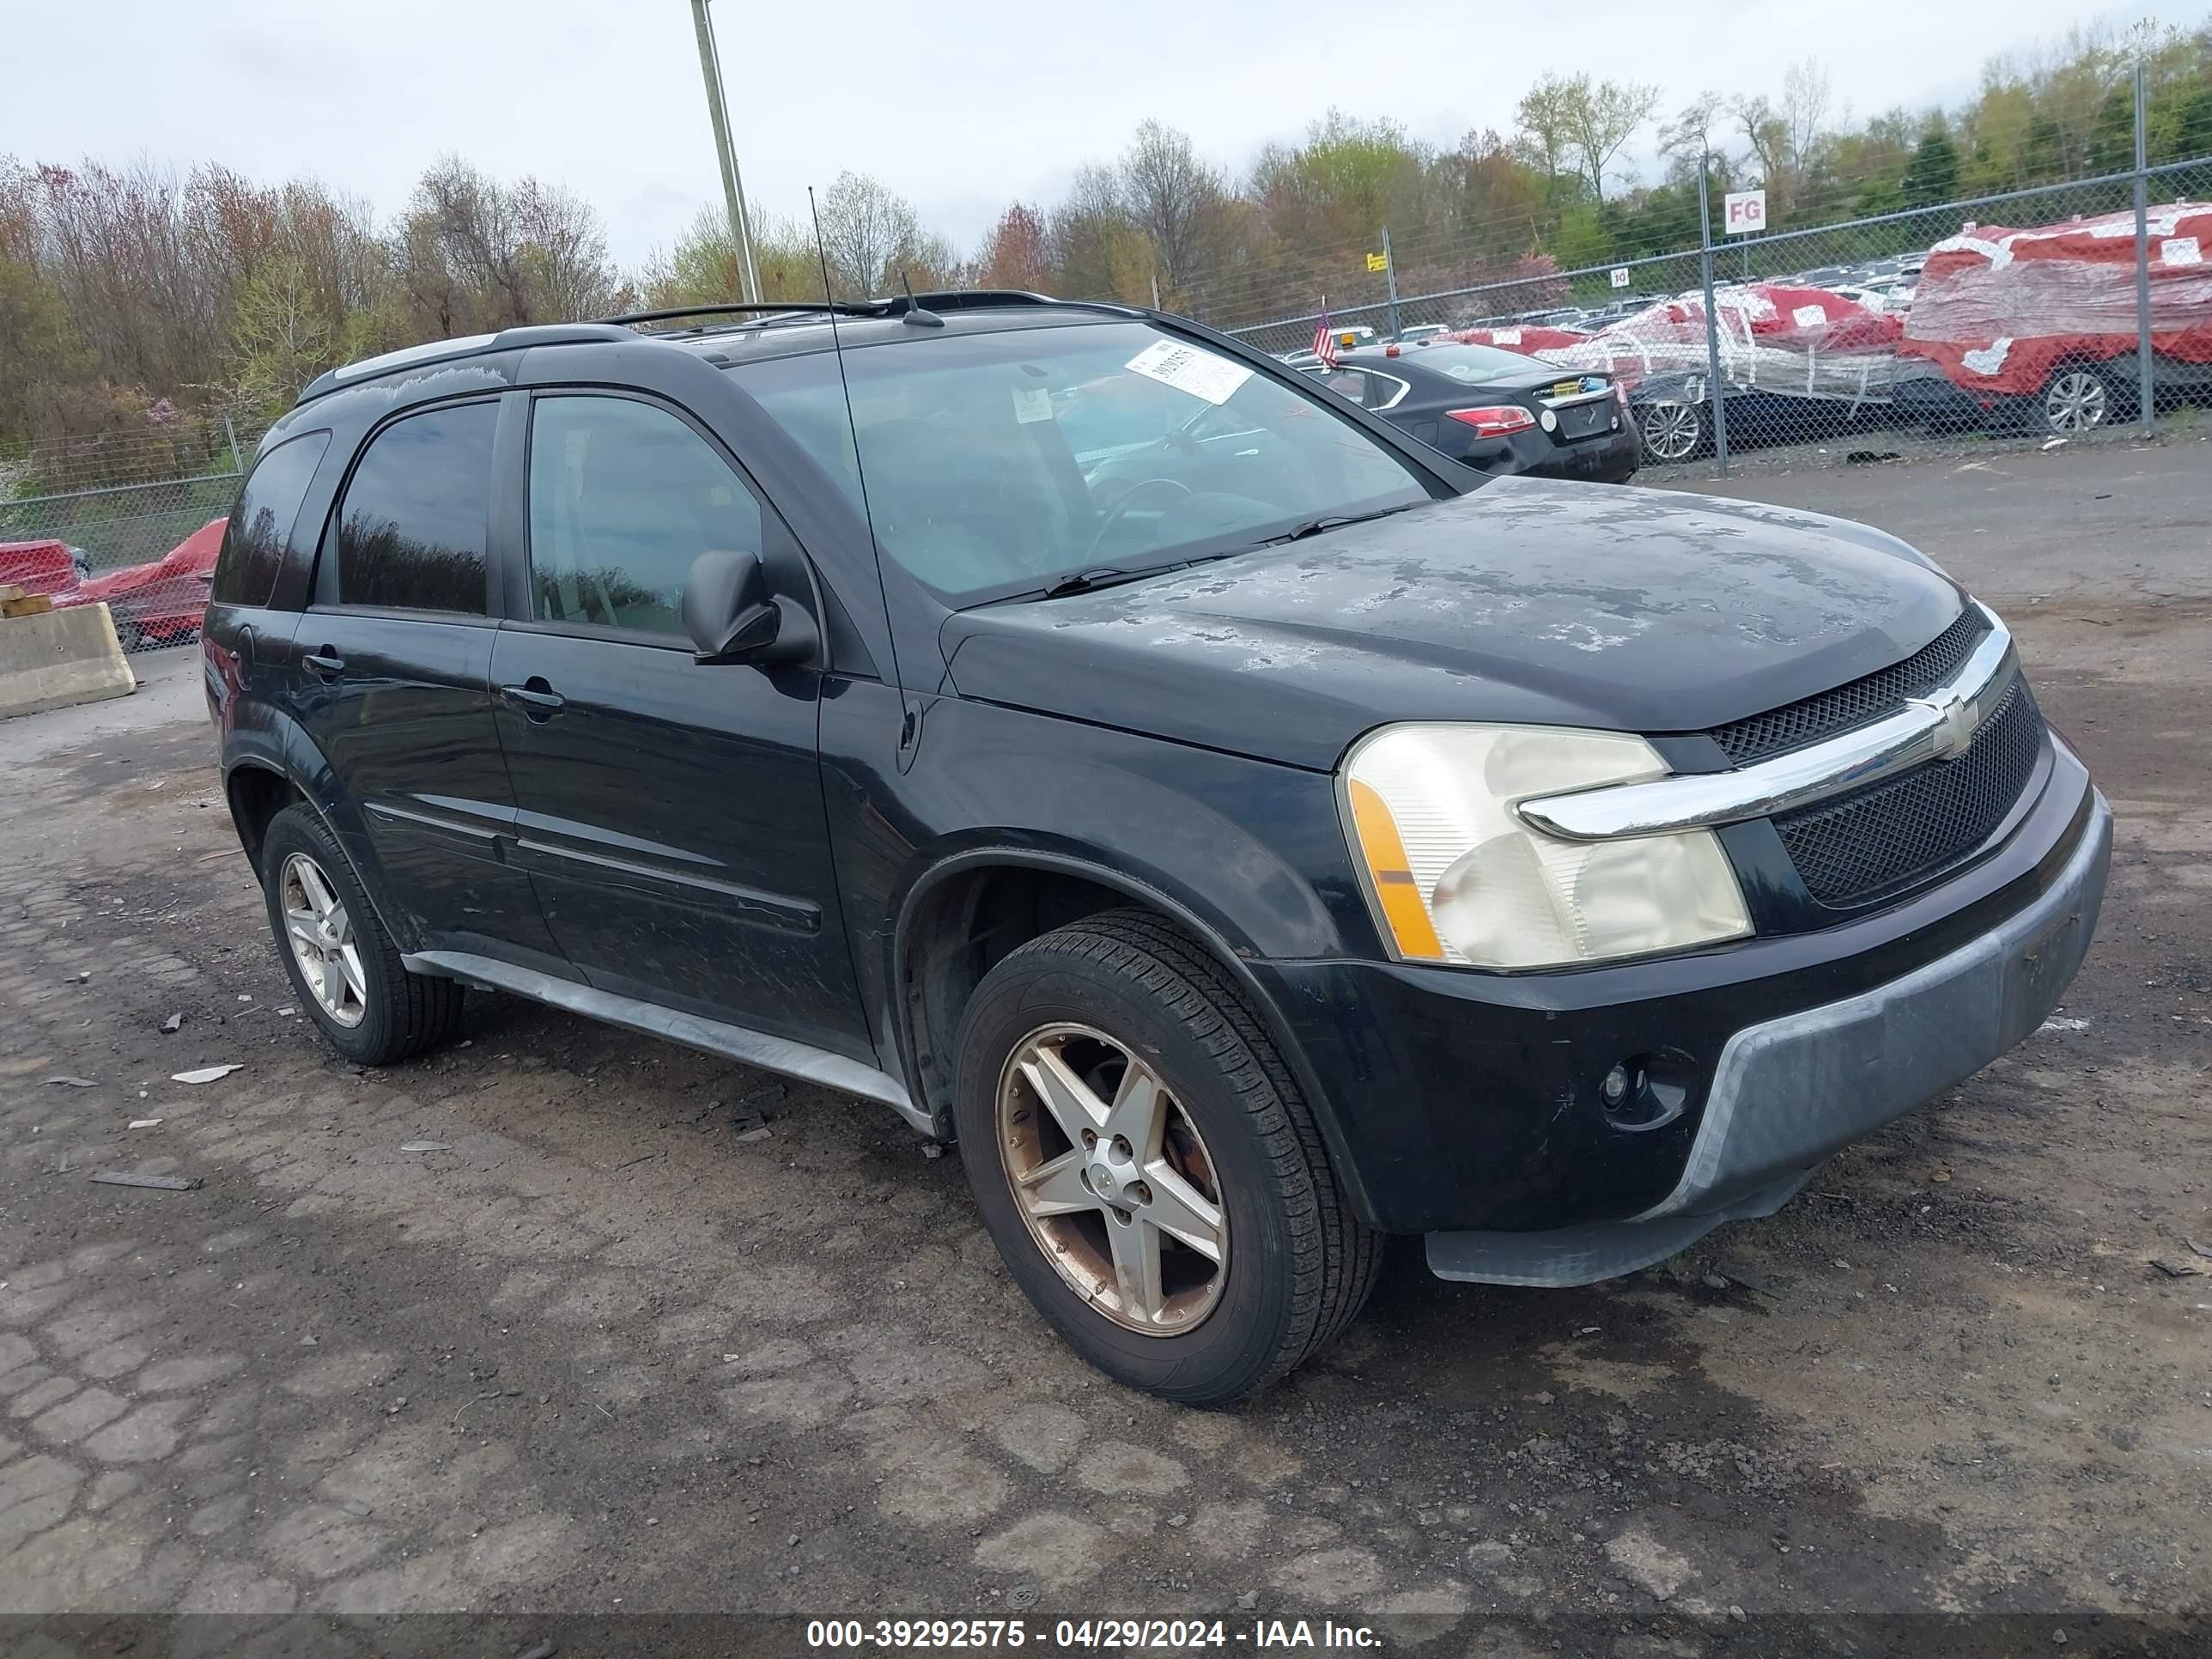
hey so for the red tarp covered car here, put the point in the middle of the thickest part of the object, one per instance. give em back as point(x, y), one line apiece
point(41, 567)
point(2040, 325)
point(159, 603)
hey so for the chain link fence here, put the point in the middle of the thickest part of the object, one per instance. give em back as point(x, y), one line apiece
point(2075, 313)
point(132, 520)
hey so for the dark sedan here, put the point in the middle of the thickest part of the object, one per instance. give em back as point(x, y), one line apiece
point(1495, 409)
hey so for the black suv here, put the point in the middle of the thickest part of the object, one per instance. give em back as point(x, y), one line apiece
point(1245, 831)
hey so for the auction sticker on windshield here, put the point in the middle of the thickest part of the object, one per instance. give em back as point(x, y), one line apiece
point(1188, 368)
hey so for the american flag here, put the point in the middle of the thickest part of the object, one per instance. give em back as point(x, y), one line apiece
point(1324, 344)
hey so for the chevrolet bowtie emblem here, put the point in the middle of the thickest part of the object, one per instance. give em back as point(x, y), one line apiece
point(1957, 717)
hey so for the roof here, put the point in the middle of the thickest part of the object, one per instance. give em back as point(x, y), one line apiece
point(728, 333)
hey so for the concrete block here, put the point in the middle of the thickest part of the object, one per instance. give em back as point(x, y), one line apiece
point(61, 658)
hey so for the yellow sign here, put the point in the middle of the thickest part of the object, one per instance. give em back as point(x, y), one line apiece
point(1378, 262)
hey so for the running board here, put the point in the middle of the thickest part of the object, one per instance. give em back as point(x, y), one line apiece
point(713, 1036)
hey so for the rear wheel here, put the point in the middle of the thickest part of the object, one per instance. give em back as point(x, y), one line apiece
point(1147, 1167)
point(343, 965)
point(1672, 430)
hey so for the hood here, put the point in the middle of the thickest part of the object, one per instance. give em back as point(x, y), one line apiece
point(1525, 600)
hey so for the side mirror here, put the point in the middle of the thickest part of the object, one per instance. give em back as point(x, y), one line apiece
point(732, 617)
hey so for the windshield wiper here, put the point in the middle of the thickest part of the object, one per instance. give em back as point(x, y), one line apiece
point(1082, 581)
point(1298, 532)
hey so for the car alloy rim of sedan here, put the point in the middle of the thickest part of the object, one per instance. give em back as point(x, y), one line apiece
point(1670, 431)
point(2075, 401)
point(1112, 1180)
point(321, 935)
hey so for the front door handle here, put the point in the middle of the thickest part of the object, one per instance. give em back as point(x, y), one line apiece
point(537, 699)
point(327, 664)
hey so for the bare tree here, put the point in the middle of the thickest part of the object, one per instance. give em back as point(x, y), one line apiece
point(1177, 200)
point(865, 229)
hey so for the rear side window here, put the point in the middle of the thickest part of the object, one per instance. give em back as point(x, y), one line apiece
point(261, 525)
point(411, 527)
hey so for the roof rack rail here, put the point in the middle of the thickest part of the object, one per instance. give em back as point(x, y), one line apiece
point(728, 309)
point(431, 352)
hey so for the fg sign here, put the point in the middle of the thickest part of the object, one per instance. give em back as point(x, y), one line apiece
point(1744, 211)
point(1620, 276)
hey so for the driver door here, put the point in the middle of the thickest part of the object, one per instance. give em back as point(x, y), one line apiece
point(671, 813)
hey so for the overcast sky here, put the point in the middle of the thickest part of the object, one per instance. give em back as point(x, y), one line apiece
point(605, 96)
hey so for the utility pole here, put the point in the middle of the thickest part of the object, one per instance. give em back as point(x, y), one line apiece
point(1390, 278)
point(733, 189)
point(2146, 387)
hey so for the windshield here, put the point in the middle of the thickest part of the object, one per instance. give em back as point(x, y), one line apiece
point(1474, 363)
point(997, 462)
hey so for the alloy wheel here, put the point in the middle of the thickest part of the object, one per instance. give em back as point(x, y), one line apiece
point(2074, 403)
point(1671, 431)
point(1113, 1180)
point(321, 935)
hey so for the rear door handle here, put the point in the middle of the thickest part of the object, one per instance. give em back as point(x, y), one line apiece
point(538, 699)
point(325, 664)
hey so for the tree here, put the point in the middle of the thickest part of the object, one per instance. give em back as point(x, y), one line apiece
point(1601, 118)
point(1017, 253)
point(1177, 201)
point(1689, 138)
point(1101, 251)
point(37, 342)
point(279, 339)
point(1546, 125)
point(873, 238)
point(1932, 176)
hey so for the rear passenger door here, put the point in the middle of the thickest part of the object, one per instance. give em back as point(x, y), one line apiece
point(394, 665)
point(670, 814)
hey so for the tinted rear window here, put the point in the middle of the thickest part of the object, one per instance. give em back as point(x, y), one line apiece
point(261, 525)
point(412, 530)
point(1472, 364)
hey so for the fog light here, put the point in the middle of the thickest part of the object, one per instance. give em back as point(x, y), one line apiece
point(1645, 1092)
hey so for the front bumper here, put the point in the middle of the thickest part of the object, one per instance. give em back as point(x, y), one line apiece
point(1459, 1102)
point(1787, 1092)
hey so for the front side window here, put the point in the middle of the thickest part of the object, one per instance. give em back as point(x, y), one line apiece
point(261, 525)
point(623, 496)
point(996, 463)
point(411, 527)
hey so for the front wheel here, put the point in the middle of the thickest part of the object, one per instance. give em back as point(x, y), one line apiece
point(1147, 1167)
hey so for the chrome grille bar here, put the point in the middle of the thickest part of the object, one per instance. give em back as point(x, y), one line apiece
point(1938, 726)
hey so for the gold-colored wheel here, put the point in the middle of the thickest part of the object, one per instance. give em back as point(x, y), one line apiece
point(1113, 1180)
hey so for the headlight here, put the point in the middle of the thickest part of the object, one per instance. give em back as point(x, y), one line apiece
point(1455, 875)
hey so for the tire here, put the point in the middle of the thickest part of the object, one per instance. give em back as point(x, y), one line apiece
point(2078, 400)
point(386, 1013)
point(1673, 431)
point(1295, 1264)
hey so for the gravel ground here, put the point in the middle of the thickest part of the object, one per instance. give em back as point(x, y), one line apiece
point(603, 1356)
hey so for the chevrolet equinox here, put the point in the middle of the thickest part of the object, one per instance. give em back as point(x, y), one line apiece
point(1245, 832)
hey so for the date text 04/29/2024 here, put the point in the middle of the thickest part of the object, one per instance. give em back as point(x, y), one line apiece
point(895, 1635)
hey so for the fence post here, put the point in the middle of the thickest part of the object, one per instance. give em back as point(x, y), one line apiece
point(2146, 393)
point(230, 432)
point(1712, 322)
point(1390, 277)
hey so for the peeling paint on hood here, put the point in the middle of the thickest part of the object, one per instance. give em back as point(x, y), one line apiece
point(1526, 600)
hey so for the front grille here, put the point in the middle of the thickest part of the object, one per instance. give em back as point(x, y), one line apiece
point(1796, 724)
point(1861, 847)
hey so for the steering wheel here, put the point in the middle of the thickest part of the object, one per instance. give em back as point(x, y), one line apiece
point(1129, 500)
